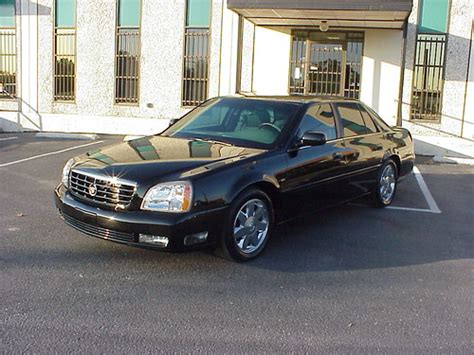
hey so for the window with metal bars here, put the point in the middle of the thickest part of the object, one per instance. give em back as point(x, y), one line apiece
point(127, 52)
point(65, 50)
point(428, 75)
point(326, 63)
point(7, 49)
point(196, 53)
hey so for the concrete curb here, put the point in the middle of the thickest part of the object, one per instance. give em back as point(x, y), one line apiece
point(131, 137)
point(452, 160)
point(59, 135)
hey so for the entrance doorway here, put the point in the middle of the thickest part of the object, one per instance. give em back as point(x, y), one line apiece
point(326, 63)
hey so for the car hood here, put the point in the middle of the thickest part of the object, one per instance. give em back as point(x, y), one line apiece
point(149, 159)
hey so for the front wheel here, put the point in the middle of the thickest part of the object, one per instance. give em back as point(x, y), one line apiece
point(249, 226)
point(386, 187)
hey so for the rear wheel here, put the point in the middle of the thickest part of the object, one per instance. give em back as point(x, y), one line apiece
point(249, 226)
point(386, 187)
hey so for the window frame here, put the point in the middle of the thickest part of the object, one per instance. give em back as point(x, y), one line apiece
point(55, 28)
point(183, 61)
point(339, 117)
point(437, 116)
point(12, 97)
point(299, 90)
point(362, 109)
point(139, 44)
point(335, 118)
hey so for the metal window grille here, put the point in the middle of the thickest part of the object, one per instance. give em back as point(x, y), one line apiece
point(8, 62)
point(64, 64)
point(127, 65)
point(322, 66)
point(355, 43)
point(298, 64)
point(428, 77)
point(196, 66)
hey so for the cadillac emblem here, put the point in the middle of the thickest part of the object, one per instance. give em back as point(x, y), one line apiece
point(92, 189)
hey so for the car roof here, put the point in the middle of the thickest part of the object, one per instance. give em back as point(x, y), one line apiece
point(295, 98)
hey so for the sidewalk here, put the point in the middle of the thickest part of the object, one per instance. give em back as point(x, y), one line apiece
point(445, 149)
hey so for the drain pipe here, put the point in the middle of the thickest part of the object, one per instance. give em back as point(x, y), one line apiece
point(402, 72)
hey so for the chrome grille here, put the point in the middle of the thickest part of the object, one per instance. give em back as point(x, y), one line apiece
point(107, 192)
point(96, 231)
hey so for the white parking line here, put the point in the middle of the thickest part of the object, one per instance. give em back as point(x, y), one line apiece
point(426, 192)
point(48, 154)
point(433, 206)
point(8, 139)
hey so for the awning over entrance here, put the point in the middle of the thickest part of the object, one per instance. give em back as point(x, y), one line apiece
point(337, 13)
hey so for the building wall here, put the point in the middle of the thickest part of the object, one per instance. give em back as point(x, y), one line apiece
point(265, 68)
point(456, 72)
point(468, 129)
point(271, 61)
point(162, 36)
point(381, 72)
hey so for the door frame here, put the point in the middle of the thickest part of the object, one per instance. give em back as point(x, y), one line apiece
point(308, 51)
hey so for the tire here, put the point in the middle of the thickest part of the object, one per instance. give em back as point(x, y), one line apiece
point(386, 187)
point(248, 227)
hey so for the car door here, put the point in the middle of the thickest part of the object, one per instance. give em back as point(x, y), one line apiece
point(314, 172)
point(364, 146)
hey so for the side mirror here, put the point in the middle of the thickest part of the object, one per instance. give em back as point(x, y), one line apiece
point(173, 121)
point(312, 138)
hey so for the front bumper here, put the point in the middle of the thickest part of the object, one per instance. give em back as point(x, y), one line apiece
point(125, 226)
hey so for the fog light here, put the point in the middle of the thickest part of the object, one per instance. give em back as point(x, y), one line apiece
point(153, 239)
point(195, 238)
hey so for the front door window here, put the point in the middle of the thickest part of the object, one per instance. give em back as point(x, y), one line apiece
point(326, 64)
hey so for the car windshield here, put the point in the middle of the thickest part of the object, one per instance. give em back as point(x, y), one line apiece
point(254, 123)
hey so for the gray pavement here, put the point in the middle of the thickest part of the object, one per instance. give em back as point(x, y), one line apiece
point(350, 279)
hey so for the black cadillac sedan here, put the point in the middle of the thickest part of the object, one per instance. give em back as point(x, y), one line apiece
point(229, 170)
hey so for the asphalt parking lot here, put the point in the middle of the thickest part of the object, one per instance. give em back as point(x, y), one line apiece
point(350, 279)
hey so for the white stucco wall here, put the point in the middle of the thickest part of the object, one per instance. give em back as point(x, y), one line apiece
point(94, 109)
point(456, 69)
point(271, 61)
point(381, 72)
point(468, 131)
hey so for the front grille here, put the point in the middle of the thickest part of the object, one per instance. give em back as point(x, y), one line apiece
point(107, 192)
point(96, 231)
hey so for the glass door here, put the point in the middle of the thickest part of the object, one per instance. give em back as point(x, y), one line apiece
point(325, 74)
point(326, 63)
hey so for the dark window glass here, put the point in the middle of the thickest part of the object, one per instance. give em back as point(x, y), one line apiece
point(7, 49)
point(319, 118)
point(198, 12)
point(65, 13)
point(127, 56)
point(65, 50)
point(7, 13)
point(369, 123)
point(351, 118)
point(129, 13)
point(196, 52)
point(428, 73)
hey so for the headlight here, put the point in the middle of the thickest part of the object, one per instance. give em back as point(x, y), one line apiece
point(169, 197)
point(66, 170)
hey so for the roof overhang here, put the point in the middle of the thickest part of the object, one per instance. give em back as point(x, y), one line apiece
point(338, 13)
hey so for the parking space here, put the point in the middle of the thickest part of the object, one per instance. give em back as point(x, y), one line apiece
point(350, 279)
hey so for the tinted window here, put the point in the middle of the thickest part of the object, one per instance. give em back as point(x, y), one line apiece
point(369, 123)
point(351, 118)
point(383, 126)
point(319, 118)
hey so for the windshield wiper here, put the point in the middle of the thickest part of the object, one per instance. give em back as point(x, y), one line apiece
point(212, 141)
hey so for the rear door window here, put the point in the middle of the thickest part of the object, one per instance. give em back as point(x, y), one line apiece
point(319, 118)
point(369, 122)
point(351, 119)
